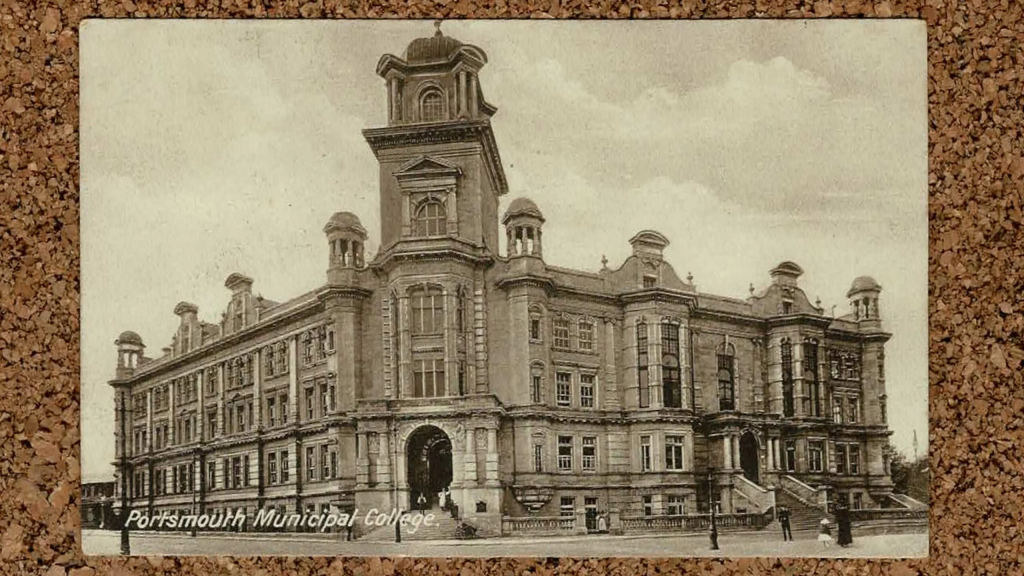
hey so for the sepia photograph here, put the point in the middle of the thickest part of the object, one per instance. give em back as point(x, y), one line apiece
point(504, 288)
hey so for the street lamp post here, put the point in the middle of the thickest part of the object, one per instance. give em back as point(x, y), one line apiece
point(195, 485)
point(711, 498)
point(125, 542)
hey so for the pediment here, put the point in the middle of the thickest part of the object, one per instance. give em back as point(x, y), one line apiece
point(427, 166)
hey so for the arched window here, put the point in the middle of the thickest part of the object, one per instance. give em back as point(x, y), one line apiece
point(427, 310)
point(726, 378)
point(431, 106)
point(672, 391)
point(430, 218)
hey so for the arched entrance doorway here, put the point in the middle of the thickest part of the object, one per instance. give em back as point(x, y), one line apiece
point(429, 465)
point(749, 459)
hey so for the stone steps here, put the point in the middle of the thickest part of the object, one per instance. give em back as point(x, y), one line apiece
point(444, 527)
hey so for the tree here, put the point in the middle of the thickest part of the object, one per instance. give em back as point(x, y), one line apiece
point(910, 478)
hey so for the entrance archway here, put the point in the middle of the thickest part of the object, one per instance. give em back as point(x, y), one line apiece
point(749, 459)
point(429, 465)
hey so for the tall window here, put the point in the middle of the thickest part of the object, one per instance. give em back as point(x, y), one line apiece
point(567, 506)
point(432, 106)
point(586, 390)
point(565, 452)
point(310, 464)
point(538, 458)
point(673, 453)
point(676, 504)
point(853, 409)
point(670, 376)
point(854, 456)
point(428, 379)
point(648, 501)
point(430, 218)
point(787, 379)
point(396, 326)
point(535, 389)
point(641, 365)
point(460, 311)
point(563, 389)
point(268, 361)
point(561, 333)
point(813, 407)
point(427, 310)
point(325, 463)
point(590, 453)
point(211, 476)
point(535, 332)
point(281, 359)
point(272, 468)
point(840, 458)
point(837, 409)
point(271, 412)
point(283, 403)
point(284, 466)
point(726, 384)
point(586, 335)
point(645, 453)
point(791, 455)
point(310, 404)
point(815, 455)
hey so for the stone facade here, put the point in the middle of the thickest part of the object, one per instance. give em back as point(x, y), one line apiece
point(525, 388)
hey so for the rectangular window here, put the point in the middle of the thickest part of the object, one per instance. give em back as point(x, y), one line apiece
point(272, 468)
point(791, 455)
point(643, 378)
point(586, 390)
point(538, 458)
point(811, 378)
point(853, 409)
point(563, 388)
point(211, 476)
point(535, 389)
point(837, 409)
point(535, 329)
point(674, 453)
point(590, 453)
point(815, 455)
point(283, 403)
point(586, 336)
point(334, 464)
point(240, 423)
point(325, 402)
point(788, 408)
point(648, 505)
point(310, 404)
point(236, 472)
point(565, 452)
point(284, 466)
point(462, 377)
point(858, 501)
point(325, 468)
point(726, 387)
point(245, 470)
point(310, 464)
point(561, 330)
point(428, 379)
point(840, 458)
point(645, 453)
point(650, 281)
point(854, 453)
point(567, 506)
point(271, 413)
point(676, 505)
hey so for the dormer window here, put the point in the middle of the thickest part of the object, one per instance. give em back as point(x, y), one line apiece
point(430, 218)
point(787, 307)
point(650, 281)
point(431, 106)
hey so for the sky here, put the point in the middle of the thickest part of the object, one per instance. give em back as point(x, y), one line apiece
point(212, 147)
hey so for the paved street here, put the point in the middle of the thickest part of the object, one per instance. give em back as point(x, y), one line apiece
point(733, 545)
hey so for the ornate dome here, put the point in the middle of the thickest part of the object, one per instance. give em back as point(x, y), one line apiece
point(344, 220)
point(864, 284)
point(522, 207)
point(436, 48)
point(129, 337)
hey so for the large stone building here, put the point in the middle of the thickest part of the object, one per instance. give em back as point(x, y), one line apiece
point(525, 388)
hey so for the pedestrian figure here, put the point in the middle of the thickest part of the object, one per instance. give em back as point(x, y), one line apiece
point(787, 532)
point(602, 524)
point(442, 500)
point(845, 537)
point(825, 534)
point(421, 502)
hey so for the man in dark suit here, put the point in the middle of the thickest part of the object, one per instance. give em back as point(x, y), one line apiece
point(787, 534)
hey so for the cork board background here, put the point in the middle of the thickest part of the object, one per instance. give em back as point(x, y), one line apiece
point(976, 248)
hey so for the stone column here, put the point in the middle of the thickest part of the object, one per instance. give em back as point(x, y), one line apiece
point(384, 457)
point(492, 456)
point(736, 451)
point(726, 452)
point(462, 93)
point(221, 385)
point(257, 386)
point(610, 401)
point(172, 418)
point(771, 454)
point(129, 426)
point(362, 461)
point(201, 417)
point(469, 456)
point(293, 380)
point(473, 105)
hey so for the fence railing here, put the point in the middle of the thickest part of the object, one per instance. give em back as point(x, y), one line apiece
point(537, 525)
point(694, 522)
point(887, 514)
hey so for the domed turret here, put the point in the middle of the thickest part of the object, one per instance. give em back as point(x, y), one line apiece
point(523, 222)
point(863, 296)
point(347, 238)
point(436, 48)
point(129, 353)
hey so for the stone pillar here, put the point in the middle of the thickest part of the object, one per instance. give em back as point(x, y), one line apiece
point(362, 461)
point(201, 417)
point(736, 451)
point(462, 94)
point(257, 387)
point(614, 522)
point(726, 452)
point(492, 457)
point(220, 399)
point(293, 380)
point(129, 426)
point(771, 454)
point(384, 458)
point(172, 419)
point(580, 523)
point(610, 400)
point(469, 457)
point(473, 105)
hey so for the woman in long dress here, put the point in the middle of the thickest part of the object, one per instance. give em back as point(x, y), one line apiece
point(825, 533)
point(845, 537)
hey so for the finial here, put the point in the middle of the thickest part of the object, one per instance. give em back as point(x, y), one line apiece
point(817, 303)
point(689, 277)
point(751, 288)
point(604, 261)
point(437, 26)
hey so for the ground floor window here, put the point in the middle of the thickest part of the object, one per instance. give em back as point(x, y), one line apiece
point(648, 505)
point(858, 501)
point(791, 455)
point(590, 453)
point(815, 455)
point(565, 452)
point(567, 506)
point(676, 504)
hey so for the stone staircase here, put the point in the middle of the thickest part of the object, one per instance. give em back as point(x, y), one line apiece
point(802, 515)
point(443, 527)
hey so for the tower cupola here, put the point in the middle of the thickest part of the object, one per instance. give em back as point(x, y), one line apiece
point(523, 222)
point(129, 353)
point(863, 297)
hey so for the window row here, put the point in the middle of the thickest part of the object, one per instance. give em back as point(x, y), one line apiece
point(844, 365)
point(581, 395)
point(675, 449)
point(846, 457)
point(671, 374)
point(317, 344)
point(318, 400)
point(321, 463)
point(566, 450)
point(427, 311)
point(565, 332)
point(845, 409)
point(186, 389)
